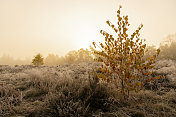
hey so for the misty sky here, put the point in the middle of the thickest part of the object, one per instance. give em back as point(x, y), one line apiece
point(28, 27)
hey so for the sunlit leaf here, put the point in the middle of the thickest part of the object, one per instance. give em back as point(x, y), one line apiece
point(123, 57)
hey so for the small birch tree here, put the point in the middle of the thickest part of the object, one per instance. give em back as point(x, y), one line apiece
point(123, 58)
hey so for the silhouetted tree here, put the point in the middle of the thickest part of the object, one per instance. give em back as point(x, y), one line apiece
point(38, 60)
point(52, 59)
point(84, 55)
point(79, 56)
point(71, 56)
point(168, 48)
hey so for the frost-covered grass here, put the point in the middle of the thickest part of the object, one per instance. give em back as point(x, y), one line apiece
point(73, 90)
point(166, 67)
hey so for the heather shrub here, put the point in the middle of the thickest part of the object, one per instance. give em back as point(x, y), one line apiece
point(41, 81)
point(9, 98)
point(166, 68)
point(72, 90)
point(80, 97)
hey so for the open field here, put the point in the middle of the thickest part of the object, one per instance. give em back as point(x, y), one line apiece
point(72, 90)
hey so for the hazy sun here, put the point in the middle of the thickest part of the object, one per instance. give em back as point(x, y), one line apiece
point(85, 34)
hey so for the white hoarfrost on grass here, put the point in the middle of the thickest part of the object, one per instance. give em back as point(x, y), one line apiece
point(166, 67)
point(66, 90)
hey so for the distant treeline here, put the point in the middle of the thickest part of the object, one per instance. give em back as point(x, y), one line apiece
point(71, 57)
point(9, 60)
point(78, 56)
point(167, 47)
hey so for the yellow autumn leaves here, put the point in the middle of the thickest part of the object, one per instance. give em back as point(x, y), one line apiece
point(123, 57)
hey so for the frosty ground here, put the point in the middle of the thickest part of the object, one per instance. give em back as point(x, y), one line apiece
point(73, 90)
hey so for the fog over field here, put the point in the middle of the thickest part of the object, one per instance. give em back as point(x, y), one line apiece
point(57, 26)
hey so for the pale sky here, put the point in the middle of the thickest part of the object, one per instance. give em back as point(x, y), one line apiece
point(28, 27)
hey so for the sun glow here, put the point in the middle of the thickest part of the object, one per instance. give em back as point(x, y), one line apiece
point(59, 26)
point(85, 34)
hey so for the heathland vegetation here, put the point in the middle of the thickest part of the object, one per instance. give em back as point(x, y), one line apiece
point(125, 78)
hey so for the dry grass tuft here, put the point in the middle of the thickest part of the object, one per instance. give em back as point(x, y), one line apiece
point(73, 90)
